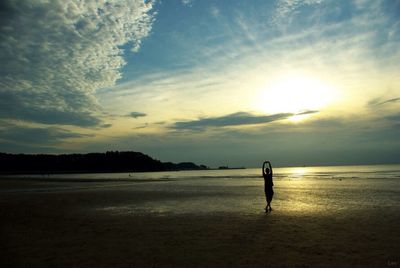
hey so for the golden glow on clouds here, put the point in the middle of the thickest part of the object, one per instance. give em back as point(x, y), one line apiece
point(299, 118)
point(295, 93)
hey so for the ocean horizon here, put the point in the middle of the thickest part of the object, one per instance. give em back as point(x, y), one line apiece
point(325, 171)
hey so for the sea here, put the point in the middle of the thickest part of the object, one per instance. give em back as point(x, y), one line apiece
point(298, 190)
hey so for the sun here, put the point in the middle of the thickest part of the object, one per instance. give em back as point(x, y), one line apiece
point(295, 94)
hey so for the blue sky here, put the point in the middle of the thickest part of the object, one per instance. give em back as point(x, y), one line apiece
point(215, 82)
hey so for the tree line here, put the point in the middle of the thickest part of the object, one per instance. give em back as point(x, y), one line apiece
point(111, 161)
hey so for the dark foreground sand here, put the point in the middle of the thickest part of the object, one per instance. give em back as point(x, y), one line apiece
point(66, 228)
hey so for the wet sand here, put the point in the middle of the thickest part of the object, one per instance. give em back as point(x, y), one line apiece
point(46, 224)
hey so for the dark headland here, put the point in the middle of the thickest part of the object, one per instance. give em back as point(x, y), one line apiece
point(112, 161)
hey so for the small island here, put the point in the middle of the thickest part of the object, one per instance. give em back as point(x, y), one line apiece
point(227, 167)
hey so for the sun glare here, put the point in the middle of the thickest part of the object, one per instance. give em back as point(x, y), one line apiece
point(298, 118)
point(295, 94)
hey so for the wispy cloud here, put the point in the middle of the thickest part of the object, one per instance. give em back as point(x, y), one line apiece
point(137, 114)
point(395, 118)
point(323, 140)
point(30, 136)
point(106, 125)
point(284, 8)
point(379, 101)
point(187, 2)
point(55, 54)
point(235, 119)
point(215, 12)
point(13, 105)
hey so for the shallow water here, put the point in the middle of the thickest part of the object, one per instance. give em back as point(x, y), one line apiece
point(298, 190)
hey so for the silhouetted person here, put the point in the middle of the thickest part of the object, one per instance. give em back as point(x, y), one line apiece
point(268, 184)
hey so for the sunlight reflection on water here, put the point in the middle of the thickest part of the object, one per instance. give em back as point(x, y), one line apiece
point(298, 192)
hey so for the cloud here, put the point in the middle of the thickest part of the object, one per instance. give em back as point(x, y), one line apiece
point(106, 125)
point(36, 136)
point(379, 101)
point(137, 114)
point(11, 106)
point(307, 112)
point(54, 55)
point(187, 2)
point(215, 12)
point(141, 127)
point(394, 117)
point(285, 7)
point(334, 140)
point(235, 119)
point(244, 49)
point(392, 100)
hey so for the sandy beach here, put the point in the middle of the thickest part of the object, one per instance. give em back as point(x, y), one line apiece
point(181, 224)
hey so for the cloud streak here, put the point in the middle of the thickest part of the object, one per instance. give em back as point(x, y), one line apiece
point(137, 114)
point(187, 2)
point(36, 136)
point(235, 119)
point(379, 101)
point(55, 54)
point(284, 8)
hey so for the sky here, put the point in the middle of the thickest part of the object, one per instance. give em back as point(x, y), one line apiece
point(223, 82)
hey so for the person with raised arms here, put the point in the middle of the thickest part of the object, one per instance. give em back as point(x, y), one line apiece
point(268, 184)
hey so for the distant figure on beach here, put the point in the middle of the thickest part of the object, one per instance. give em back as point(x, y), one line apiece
point(268, 183)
